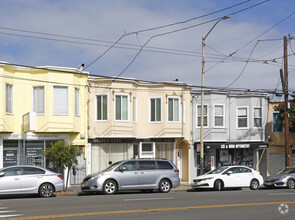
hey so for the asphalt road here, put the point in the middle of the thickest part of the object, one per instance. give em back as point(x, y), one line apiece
point(229, 204)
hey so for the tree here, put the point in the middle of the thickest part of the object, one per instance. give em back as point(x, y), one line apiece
point(62, 155)
point(281, 109)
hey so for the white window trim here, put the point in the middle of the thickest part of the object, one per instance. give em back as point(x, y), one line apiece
point(150, 120)
point(128, 107)
point(254, 117)
point(134, 99)
point(276, 112)
point(95, 107)
point(43, 100)
point(197, 116)
point(78, 104)
point(12, 109)
point(179, 109)
point(223, 114)
point(237, 118)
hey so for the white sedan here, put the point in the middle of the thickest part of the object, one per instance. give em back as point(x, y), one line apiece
point(30, 180)
point(229, 177)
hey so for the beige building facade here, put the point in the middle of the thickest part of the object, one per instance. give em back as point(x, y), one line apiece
point(134, 119)
point(276, 131)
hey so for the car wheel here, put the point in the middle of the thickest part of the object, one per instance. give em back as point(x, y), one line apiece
point(218, 185)
point(109, 187)
point(164, 186)
point(254, 185)
point(46, 190)
point(291, 184)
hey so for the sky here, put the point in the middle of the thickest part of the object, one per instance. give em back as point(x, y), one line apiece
point(157, 40)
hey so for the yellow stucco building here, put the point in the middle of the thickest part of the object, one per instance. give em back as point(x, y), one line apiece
point(39, 106)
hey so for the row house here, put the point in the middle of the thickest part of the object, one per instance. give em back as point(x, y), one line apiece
point(134, 119)
point(235, 130)
point(276, 131)
point(40, 106)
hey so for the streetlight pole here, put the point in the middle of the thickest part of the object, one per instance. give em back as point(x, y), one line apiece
point(202, 94)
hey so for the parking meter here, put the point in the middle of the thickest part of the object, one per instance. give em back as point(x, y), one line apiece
point(74, 170)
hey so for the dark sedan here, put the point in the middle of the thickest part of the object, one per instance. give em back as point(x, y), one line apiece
point(284, 178)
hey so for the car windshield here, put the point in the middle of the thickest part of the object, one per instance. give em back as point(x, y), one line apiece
point(286, 171)
point(218, 170)
point(114, 165)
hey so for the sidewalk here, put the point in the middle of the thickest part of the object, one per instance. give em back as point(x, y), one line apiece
point(75, 190)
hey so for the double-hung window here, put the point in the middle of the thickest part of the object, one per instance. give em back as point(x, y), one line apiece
point(219, 115)
point(257, 117)
point(205, 116)
point(77, 101)
point(60, 100)
point(242, 113)
point(38, 99)
point(277, 124)
point(173, 109)
point(9, 98)
point(134, 109)
point(101, 107)
point(155, 110)
point(122, 110)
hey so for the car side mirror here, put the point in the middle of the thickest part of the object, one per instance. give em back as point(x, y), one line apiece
point(2, 174)
point(229, 173)
point(122, 168)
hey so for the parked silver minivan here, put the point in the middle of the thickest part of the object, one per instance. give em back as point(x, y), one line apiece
point(134, 174)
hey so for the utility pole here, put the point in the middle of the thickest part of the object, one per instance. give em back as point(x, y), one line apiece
point(284, 80)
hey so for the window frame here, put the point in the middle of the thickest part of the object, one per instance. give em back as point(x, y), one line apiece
point(150, 110)
point(95, 107)
point(179, 109)
point(215, 115)
point(34, 107)
point(197, 117)
point(115, 109)
point(134, 105)
point(272, 129)
point(257, 107)
point(9, 100)
point(77, 102)
point(237, 117)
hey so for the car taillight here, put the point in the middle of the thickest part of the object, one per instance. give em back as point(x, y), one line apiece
point(60, 176)
point(176, 171)
point(260, 174)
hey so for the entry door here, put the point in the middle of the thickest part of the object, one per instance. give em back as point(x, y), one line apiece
point(179, 162)
point(80, 169)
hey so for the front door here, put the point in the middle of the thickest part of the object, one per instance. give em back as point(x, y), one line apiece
point(179, 162)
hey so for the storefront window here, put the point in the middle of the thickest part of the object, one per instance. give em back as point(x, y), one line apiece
point(33, 153)
point(10, 153)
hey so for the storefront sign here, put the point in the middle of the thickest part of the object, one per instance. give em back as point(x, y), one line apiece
point(129, 140)
point(9, 158)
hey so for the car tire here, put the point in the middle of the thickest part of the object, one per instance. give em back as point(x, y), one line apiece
point(291, 184)
point(254, 184)
point(164, 186)
point(46, 190)
point(218, 185)
point(109, 187)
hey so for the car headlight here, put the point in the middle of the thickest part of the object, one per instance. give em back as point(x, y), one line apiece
point(95, 177)
point(209, 178)
point(281, 178)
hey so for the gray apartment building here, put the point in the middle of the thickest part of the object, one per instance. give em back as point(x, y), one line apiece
point(234, 130)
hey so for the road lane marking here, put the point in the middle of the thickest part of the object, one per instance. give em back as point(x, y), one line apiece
point(147, 199)
point(279, 194)
point(149, 210)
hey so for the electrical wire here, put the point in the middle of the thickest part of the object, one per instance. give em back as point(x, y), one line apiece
point(276, 24)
